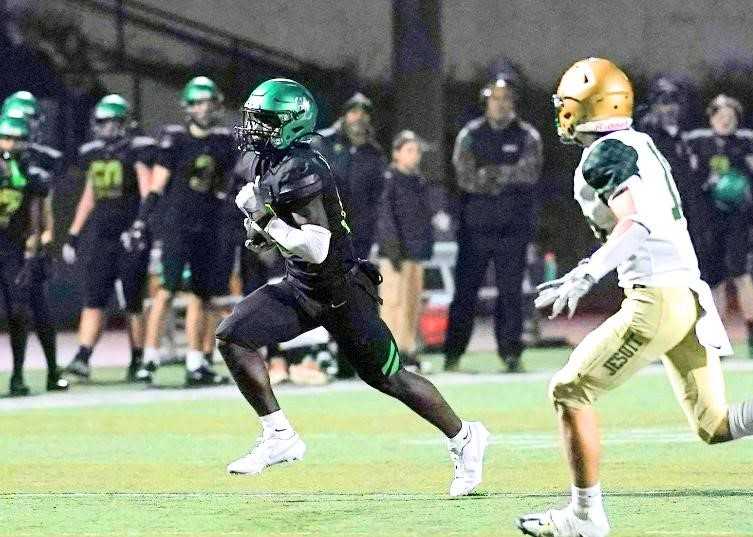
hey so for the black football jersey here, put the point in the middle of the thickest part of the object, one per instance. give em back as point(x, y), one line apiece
point(200, 169)
point(20, 182)
point(289, 180)
point(110, 167)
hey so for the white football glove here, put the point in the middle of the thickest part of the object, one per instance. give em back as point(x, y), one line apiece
point(246, 200)
point(69, 254)
point(567, 290)
point(257, 239)
point(570, 293)
point(441, 221)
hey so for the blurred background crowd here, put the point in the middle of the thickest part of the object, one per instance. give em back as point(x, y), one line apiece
point(453, 181)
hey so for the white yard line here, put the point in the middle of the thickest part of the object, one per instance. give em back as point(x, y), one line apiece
point(74, 399)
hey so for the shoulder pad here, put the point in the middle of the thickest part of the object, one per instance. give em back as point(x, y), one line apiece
point(39, 173)
point(696, 134)
point(299, 178)
point(91, 146)
point(609, 164)
point(530, 130)
point(173, 129)
point(139, 142)
point(220, 131)
point(47, 151)
point(168, 133)
point(328, 132)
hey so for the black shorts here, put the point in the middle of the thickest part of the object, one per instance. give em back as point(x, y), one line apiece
point(106, 261)
point(723, 249)
point(278, 312)
point(229, 243)
point(15, 298)
point(200, 250)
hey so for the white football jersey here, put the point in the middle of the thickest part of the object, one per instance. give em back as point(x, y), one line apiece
point(667, 258)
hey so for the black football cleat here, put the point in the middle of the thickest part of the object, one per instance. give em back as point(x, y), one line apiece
point(56, 383)
point(204, 376)
point(513, 363)
point(79, 368)
point(132, 373)
point(18, 388)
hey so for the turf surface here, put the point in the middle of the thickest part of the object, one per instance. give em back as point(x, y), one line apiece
point(372, 468)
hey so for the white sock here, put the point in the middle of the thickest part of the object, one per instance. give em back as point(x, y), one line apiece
point(194, 359)
point(151, 355)
point(276, 422)
point(586, 500)
point(461, 439)
point(740, 416)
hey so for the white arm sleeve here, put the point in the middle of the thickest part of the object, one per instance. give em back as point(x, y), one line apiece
point(616, 250)
point(310, 243)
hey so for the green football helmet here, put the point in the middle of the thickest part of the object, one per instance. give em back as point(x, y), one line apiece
point(200, 88)
point(112, 107)
point(110, 117)
point(731, 191)
point(24, 101)
point(14, 124)
point(276, 114)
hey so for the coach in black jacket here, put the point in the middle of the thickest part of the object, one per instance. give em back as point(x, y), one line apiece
point(497, 160)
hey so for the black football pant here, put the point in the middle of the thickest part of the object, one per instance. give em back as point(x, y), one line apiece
point(475, 251)
point(279, 312)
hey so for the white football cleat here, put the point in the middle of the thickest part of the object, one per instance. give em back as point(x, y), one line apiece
point(469, 460)
point(564, 523)
point(271, 448)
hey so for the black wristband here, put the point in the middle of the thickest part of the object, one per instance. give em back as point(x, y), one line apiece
point(72, 240)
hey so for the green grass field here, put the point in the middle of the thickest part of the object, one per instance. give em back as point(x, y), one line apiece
point(128, 468)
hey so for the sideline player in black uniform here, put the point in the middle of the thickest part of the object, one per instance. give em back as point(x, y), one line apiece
point(48, 163)
point(292, 203)
point(117, 174)
point(196, 160)
point(23, 187)
point(721, 164)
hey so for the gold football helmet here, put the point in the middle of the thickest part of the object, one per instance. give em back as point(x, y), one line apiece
point(593, 96)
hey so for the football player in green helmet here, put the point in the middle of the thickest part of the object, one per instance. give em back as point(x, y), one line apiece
point(196, 159)
point(24, 185)
point(110, 117)
point(116, 165)
point(25, 102)
point(291, 203)
point(202, 102)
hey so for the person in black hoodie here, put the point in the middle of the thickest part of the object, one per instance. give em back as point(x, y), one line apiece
point(405, 238)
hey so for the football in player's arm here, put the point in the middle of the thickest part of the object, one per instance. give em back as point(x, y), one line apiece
point(292, 203)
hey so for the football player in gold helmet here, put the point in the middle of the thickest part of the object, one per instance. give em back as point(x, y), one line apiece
point(627, 194)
